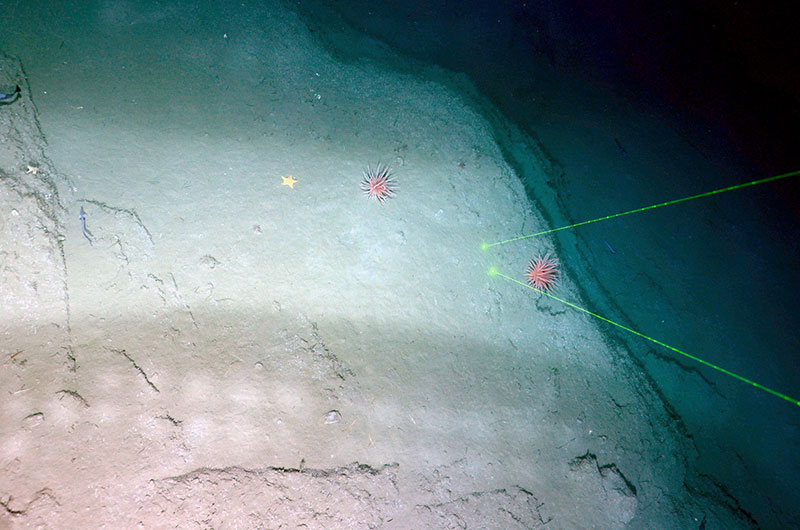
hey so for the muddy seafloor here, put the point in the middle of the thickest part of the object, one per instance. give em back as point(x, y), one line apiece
point(224, 351)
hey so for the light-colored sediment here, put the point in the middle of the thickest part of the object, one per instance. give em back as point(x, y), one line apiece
point(179, 370)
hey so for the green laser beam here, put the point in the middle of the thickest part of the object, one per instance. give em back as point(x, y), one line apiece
point(494, 272)
point(486, 246)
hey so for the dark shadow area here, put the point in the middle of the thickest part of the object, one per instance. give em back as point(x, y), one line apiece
point(728, 69)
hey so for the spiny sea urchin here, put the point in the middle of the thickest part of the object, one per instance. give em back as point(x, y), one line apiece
point(378, 182)
point(543, 272)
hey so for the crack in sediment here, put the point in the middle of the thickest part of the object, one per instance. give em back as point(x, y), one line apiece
point(127, 211)
point(75, 395)
point(138, 368)
point(179, 298)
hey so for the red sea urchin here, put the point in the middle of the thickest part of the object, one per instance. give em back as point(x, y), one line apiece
point(543, 272)
point(378, 182)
